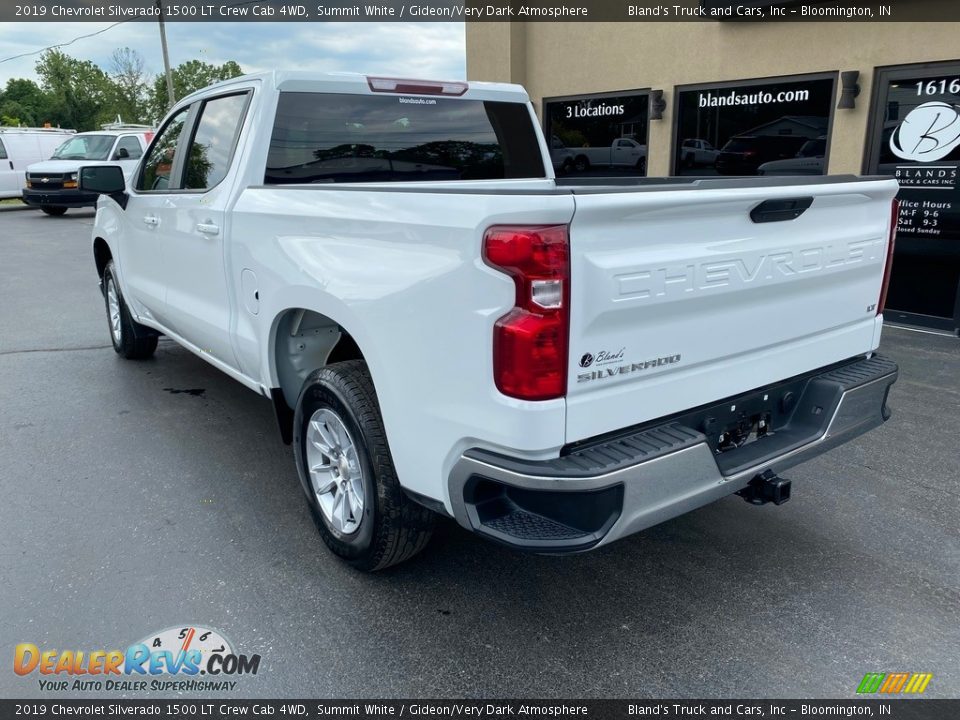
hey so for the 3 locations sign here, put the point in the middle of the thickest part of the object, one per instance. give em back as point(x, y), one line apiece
point(598, 135)
point(768, 127)
point(915, 137)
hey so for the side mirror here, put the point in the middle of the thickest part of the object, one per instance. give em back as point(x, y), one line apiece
point(105, 180)
point(121, 154)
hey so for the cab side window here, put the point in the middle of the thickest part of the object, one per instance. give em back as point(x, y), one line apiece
point(214, 140)
point(157, 168)
point(3, 151)
point(131, 145)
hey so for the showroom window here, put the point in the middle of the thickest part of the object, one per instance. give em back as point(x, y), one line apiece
point(598, 135)
point(914, 136)
point(773, 126)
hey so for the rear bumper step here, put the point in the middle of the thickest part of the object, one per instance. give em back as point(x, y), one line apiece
point(599, 491)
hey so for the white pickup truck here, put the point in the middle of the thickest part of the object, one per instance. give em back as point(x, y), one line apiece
point(622, 153)
point(444, 327)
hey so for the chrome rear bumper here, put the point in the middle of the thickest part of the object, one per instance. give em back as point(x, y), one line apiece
point(601, 491)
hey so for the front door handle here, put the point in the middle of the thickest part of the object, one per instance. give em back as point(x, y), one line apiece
point(151, 220)
point(208, 228)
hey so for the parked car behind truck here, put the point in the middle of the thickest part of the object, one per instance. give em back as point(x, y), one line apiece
point(808, 160)
point(51, 185)
point(744, 154)
point(554, 364)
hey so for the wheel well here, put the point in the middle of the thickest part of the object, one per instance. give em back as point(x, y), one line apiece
point(101, 255)
point(305, 341)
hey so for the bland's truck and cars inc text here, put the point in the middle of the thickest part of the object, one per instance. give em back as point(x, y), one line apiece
point(446, 328)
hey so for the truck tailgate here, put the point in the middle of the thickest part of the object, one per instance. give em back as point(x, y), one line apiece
point(679, 298)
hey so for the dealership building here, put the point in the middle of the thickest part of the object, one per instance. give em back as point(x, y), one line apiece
point(716, 98)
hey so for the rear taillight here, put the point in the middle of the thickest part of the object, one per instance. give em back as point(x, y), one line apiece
point(416, 87)
point(894, 219)
point(530, 342)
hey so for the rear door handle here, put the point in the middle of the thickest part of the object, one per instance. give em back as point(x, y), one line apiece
point(151, 220)
point(208, 228)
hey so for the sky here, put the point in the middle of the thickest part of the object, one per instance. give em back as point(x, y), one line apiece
point(429, 50)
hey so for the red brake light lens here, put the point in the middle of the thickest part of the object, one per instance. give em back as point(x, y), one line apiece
point(416, 87)
point(530, 342)
point(894, 219)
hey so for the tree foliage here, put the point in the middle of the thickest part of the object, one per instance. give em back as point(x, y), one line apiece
point(187, 78)
point(79, 94)
point(129, 85)
point(23, 102)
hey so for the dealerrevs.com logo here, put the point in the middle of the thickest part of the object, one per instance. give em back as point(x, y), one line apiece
point(172, 660)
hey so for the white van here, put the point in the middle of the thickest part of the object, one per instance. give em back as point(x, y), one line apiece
point(20, 147)
point(52, 184)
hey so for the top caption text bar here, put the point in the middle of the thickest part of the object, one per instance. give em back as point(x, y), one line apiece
point(479, 11)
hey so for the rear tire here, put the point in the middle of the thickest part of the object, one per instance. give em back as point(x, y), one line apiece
point(54, 210)
point(130, 339)
point(581, 163)
point(341, 451)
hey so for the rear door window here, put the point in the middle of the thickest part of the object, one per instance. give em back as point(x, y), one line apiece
point(336, 138)
point(212, 148)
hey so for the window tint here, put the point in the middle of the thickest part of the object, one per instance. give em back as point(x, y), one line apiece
point(3, 151)
point(159, 163)
point(212, 147)
point(131, 145)
point(325, 138)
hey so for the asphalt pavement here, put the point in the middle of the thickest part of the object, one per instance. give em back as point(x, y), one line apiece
point(129, 506)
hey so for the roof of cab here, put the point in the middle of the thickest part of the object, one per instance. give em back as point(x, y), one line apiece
point(311, 81)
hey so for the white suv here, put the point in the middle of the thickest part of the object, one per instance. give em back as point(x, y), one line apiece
point(52, 184)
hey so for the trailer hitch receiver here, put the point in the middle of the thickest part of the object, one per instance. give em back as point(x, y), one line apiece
point(766, 487)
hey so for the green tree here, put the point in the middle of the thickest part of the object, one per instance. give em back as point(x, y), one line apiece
point(79, 92)
point(129, 85)
point(24, 101)
point(188, 77)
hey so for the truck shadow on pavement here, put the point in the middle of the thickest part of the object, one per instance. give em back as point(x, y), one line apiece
point(735, 586)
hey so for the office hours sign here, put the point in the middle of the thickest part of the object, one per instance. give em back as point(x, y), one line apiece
point(915, 138)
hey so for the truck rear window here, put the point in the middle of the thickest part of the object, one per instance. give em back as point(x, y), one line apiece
point(337, 138)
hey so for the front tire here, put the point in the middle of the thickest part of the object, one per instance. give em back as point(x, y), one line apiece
point(347, 472)
point(53, 210)
point(130, 339)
